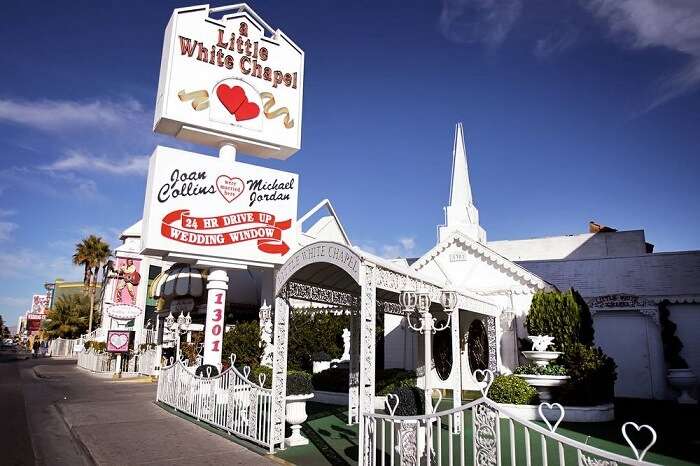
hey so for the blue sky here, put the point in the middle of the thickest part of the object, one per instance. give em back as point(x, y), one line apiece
point(587, 110)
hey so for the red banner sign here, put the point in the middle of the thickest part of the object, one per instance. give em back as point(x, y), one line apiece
point(267, 232)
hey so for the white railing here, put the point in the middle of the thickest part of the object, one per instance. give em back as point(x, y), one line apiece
point(96, 362)
point(149, 336)
point(496, 437)
point(228, 401)
point(62, 347)
point(95, 335)
point(145, 362)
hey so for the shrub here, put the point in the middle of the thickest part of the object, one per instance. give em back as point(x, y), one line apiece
point(671, 343)
point(592, 373)
point(310, 332)
point(534, 369)
point(244, 341)
point(411, 401)
point(513, 390)
point(390, 379)
point(299, 383)
point(255, 375)
point(96, 346)
point(555, 314)
point(332, 380)
point(321, 356)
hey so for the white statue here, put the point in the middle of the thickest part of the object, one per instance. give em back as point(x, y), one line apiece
point(346, 345)
point(541, 342)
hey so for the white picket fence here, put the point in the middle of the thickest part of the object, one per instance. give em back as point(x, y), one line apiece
point(229, 401)
point(145, 362)
point(96, 362)
point(62, 347)
point(496, 438)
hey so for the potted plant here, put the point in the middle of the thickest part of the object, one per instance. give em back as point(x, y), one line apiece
point(679, 375)
point(299, 391)
point(543, 378)
point(410, 433)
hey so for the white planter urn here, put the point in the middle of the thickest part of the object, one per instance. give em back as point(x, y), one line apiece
point(539, 354)
point(682, 380)
point(545, 383)
point(296, 415)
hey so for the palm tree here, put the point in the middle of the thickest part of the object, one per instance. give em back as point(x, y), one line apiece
point(68, 318)
point(92, 252)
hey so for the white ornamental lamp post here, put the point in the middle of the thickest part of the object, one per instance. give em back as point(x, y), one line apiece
point(412, 300)
point(178, 327)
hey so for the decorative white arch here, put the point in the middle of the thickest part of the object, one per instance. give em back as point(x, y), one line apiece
point(337, 274)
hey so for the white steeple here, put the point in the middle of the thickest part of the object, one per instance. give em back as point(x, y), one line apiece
point(461, 214)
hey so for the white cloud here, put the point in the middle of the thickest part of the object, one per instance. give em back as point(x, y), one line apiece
point(555, 43)
point(479, 21)
point(81, 161)
point(403, 247)
point(6, 229)
point(48, 183)
point(671, 24)
point(54, 115)
point(25, 263)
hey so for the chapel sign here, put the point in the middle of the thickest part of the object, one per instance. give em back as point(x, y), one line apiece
point(231, 79)
point(205, 207)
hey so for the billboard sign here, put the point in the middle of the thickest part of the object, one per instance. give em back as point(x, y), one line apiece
point(202, 207)
point(127, 280)
point(230, 79)
point(118, 341)
point(40, 304)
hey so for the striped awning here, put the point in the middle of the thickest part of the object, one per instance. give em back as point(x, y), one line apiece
point(179, 280)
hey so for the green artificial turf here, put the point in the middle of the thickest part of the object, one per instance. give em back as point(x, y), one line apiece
point(332, 442)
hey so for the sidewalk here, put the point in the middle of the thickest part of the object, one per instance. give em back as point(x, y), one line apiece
point(114, 423)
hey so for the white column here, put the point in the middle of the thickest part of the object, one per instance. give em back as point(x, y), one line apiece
point(265, 316)
point(217, 284)
point(456, 369)
point(428, 359)
point(279, 371)
point(368, 327)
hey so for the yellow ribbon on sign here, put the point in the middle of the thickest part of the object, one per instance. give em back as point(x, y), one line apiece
point(269, 113)
point(200, 99)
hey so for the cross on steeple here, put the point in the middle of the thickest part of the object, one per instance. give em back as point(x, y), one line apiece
point(461, 214)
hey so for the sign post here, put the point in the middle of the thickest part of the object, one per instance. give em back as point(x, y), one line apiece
point(217, 285)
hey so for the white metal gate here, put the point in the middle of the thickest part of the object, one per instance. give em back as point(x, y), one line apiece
point(497, 438)
point(229, 401)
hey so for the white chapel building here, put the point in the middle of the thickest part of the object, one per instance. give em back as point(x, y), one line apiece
point(616, 272)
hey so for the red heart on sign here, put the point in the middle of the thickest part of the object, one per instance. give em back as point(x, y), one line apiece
point(247, 111)
point(236, 102)
point(231, 97)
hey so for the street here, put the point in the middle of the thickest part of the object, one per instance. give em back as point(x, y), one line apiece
point(56, 414)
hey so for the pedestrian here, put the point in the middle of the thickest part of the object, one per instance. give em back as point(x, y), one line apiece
point(35, 347)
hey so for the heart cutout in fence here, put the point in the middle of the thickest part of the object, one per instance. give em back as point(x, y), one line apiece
point(486, 380)
point(389, 397)
point(551, 407)
point(638, 438)
point(436, 405)
point(246, 371)
point(230, 187)
point(261, 378)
